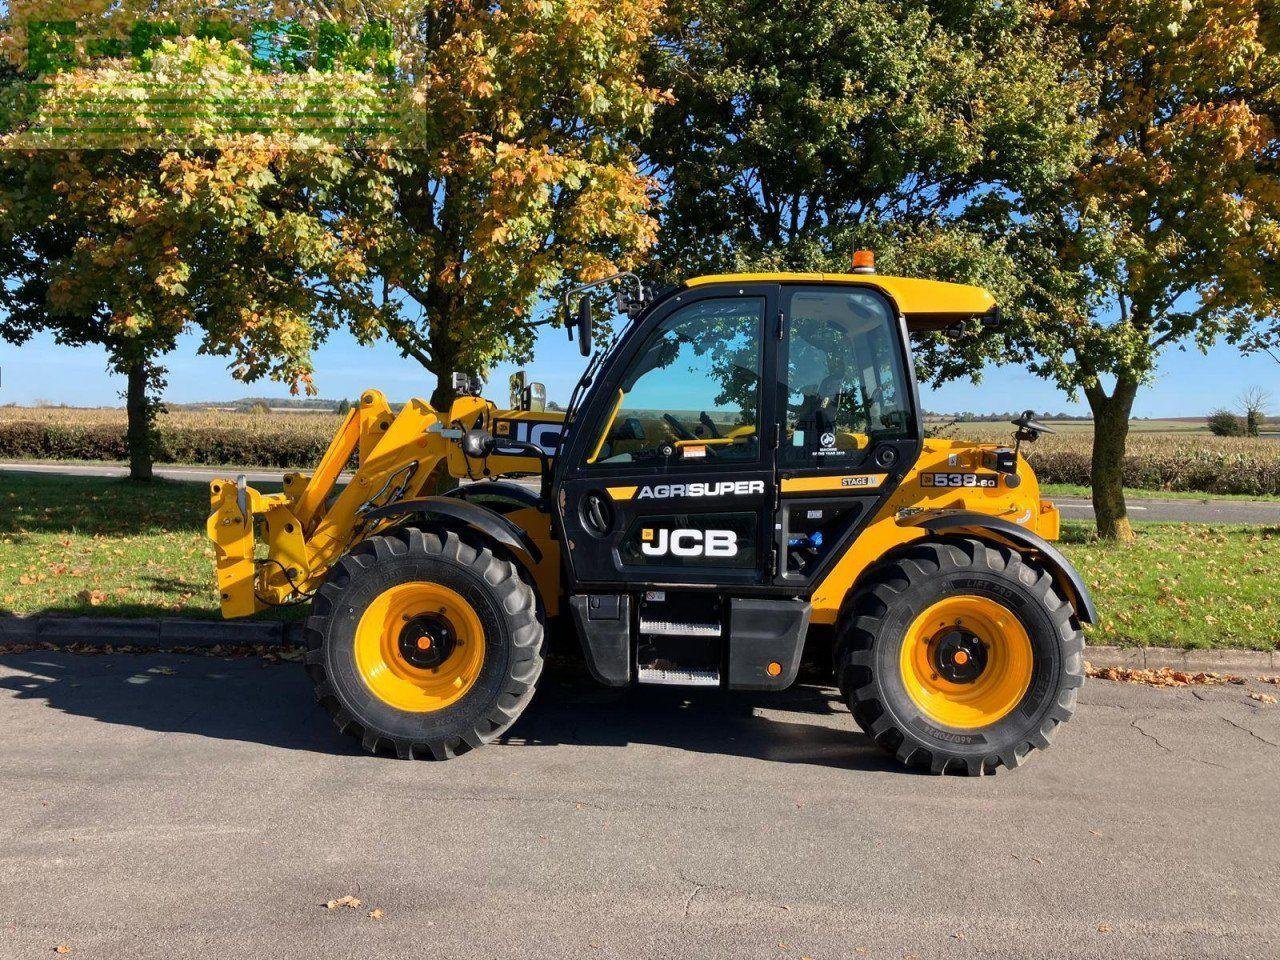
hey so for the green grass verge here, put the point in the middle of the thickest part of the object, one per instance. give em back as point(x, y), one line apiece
point(93, 546)
point(1076, 490)
point(1182, 585)
point(89, 546)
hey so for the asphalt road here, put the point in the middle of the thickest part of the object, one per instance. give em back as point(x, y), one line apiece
point(1181, 511)
point(193, 474)
point(1073, 508)
point(173, 807)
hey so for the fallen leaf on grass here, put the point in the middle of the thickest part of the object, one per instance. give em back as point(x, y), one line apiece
point(1161, 677)
point(92, 597)
point(376, 913)
point(1262, 697)
point(347, 901)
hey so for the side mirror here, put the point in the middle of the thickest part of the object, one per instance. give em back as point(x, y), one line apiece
point(477, 444)
point(517, 390)
point(1029, 428)
point(535, 397)
point(584, 326)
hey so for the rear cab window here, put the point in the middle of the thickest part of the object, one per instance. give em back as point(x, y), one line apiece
point(846, 386)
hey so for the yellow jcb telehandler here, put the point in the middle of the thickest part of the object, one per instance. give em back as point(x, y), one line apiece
point(744, 465)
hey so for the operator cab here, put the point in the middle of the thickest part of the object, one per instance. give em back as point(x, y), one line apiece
point(729, 449)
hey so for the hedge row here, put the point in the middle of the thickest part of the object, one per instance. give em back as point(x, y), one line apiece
point(212, 445)
point(1186, 461)
point(1199, 471)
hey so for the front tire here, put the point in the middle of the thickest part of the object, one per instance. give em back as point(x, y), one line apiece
point(960, 656)
point(424, 644)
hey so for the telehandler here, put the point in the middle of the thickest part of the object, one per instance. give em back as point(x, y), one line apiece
point(744, 465)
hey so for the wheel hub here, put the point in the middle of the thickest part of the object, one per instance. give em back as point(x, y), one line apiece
point(427, 640)
point(958, 655)
point(966, 661)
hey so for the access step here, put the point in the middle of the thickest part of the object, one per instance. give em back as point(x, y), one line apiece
point(677, 677)
point(672, 628)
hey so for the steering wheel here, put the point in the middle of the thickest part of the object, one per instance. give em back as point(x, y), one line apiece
point(679, 429)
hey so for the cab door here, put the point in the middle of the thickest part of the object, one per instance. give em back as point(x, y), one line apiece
point(668, 471)
point(849, 420)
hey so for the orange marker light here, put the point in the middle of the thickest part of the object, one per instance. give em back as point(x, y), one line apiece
point(864, 261)
point(774, 669)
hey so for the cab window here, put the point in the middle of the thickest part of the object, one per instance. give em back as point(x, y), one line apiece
point(846, 386)
point(692, 393)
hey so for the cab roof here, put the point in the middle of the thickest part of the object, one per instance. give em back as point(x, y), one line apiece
point(927, 304)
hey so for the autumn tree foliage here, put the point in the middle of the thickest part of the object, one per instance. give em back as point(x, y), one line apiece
point(474, 164)
point(123, 250)
point(129, 244)
point(513, 174)
point(801, 130)
point(1167, 234)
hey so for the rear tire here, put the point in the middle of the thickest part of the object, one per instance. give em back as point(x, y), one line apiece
point(424, 644)
point(959, 656)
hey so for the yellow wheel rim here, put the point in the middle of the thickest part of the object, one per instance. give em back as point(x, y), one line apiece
point(419, 647)
point(966, 661)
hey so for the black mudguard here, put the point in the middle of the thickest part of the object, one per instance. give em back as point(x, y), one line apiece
point(461, 512)
point(1067, 576)
point(498, 488)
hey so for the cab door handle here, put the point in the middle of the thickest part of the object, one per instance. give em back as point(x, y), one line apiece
point(597, 515)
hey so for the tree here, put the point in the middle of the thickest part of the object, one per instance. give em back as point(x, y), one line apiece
point(1224, 423)
point(1166, 235)
point(127, 247)
point(1254, 401)
point(802, 130)
point(516, 176)
point(500, 170)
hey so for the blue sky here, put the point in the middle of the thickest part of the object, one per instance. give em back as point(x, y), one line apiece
point(1188, 383)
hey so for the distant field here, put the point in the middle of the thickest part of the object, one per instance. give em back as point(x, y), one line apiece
point(988, 431)
point(1173, 455)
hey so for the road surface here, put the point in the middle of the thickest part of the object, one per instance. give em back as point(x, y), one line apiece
point(1181, 511)
point(170, 807)
point(1073, 508)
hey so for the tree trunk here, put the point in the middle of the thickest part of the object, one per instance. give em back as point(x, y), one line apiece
point(443, 395)
point(138, 433)
point(1110, 433)
point(444, 359)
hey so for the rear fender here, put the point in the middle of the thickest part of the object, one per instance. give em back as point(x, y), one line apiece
point(1020, 538)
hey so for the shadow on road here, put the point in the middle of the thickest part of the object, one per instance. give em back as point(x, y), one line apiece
point(254, 701)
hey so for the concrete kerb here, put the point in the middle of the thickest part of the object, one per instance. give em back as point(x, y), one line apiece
point(159, 634)
point(162, 634)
